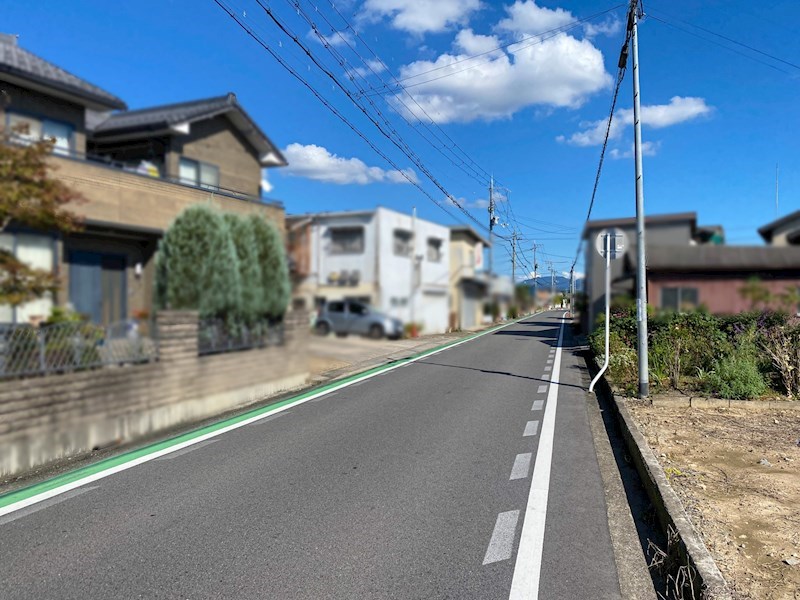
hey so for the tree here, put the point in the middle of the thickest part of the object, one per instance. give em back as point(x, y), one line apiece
point(250, 273)
point(271, 254)
point(32, 197)
point(755, 291)
point(197, 267)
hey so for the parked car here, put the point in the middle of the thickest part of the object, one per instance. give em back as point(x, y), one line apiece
point(347, 317)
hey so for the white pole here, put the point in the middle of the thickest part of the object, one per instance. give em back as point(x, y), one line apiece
point(413, 269)
point(607, 244)
point(641, 271)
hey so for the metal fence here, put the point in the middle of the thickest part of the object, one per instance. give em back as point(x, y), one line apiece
point(219, 335)
point(60, 348)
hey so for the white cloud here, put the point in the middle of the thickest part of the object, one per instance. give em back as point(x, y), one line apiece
point(559, 72)
point(679, 110)
point(480, 203)
point(316, 162)
point(336, 39)
point(610, 26)
point(417, 17)
point(266, 186)
point(372, 67)
point(527, 18)
point(648, 149)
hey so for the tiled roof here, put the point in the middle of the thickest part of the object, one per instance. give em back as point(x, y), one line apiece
point(723, 258)
point(23, 64)
point(165, 117)
point(160, 117)
point(631, 221)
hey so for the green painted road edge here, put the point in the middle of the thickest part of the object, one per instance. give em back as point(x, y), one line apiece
point(115, 461)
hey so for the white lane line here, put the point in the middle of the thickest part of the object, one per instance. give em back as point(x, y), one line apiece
point(270, 418)
point(528, 566)
point(548, 368)
point(45, 504)
point(549, 360)
point(542, 389)
point(538, 405)
point(522, 464)
point(324, 397)
point(531, 428)
point(186, 450)
point(502, 542)
point(42, 496)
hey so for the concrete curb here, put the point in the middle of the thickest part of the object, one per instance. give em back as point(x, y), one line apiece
point(703, 402)
point(670, 511)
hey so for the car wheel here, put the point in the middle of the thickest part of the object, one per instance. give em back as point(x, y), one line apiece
point(323, 328)
point(376, 332)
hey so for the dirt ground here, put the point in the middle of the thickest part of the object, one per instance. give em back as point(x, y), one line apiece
point(738, 475)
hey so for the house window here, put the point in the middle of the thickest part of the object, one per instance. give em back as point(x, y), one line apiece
point(194, 172)
point(347, 240)
point(37, 129)
point(38, 252)
point(434, 250)
point(402, 242)
point(679, 298)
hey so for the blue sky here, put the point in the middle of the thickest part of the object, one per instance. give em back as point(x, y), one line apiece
point(716, 122)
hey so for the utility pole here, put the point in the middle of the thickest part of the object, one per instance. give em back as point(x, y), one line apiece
point(535, 275)
point(641, 275)
point(572, 292)
point(413, 270)
point(491, 225)
point(552, 282)
point(514, 262)
point(776, 190)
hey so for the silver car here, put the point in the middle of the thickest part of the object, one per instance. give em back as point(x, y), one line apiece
point(345, 317)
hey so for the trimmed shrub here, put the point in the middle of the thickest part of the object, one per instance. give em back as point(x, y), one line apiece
point(197, 267)
point(250, 274)
point(275, 287)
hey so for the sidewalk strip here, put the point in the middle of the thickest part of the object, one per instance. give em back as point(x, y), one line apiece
point(19, 499)
point(502, 542)
point(528, 566)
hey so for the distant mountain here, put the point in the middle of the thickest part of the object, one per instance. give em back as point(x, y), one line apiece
point(561, 283)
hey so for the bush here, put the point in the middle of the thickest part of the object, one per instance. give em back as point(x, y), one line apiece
point(250, 273)
point(736, 377)
point(513, 312)
point(197, 267)
point(275, 287)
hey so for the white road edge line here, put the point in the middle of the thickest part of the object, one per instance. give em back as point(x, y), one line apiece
point(501, 546)
point(528, 566)
point(212, 434)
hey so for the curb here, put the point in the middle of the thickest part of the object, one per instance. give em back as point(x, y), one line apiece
point(706, 577)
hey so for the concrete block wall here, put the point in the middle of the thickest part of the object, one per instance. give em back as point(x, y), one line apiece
point(44, 419)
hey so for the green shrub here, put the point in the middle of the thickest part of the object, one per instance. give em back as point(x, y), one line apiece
point(275, 286)
point(197, 266)
point(250, 273)
point(736, 377)
point(513, 312)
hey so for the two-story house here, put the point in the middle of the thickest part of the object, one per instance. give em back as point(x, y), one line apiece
point(469, 281)
point(393, 261)
point(137, 169)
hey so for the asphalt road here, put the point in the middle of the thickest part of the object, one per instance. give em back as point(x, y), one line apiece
point(413, 484)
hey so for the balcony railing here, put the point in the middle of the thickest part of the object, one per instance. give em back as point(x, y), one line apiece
point(153, 171)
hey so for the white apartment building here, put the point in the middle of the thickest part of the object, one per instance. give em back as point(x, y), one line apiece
point(396, 263)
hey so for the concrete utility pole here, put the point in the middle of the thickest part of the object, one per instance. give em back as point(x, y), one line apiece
point(572, 291)
point(413, 271)
point(491, 225)
point(552, 282)
point(514, 262)
point(535, 275)
point(641, 274)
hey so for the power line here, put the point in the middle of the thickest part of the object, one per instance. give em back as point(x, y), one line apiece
point(249, 30)
point(537, 37)
point(622, 66)
point(399, 143)
point(730, 39)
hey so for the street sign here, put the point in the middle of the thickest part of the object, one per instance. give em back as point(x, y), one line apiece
point(617, 243)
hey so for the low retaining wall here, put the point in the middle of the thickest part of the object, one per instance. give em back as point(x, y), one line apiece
point(43, 419)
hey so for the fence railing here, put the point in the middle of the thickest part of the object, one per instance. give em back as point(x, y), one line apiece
point(26, 350)
point(219, 335)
